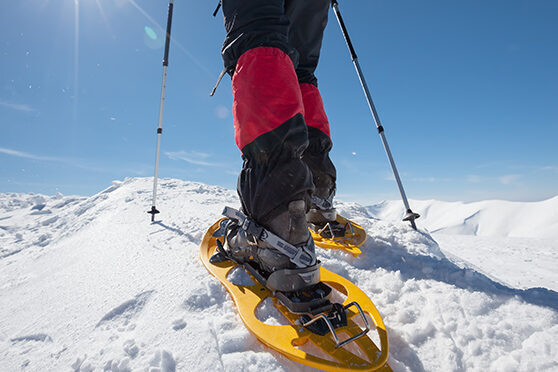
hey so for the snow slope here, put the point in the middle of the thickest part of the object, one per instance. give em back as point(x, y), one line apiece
point(512, 242)
point(485, 218)
point(88, 283)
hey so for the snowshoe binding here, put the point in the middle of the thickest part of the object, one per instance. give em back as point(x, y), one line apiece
point(332, 231)
point(300, 289)
point(270, 256)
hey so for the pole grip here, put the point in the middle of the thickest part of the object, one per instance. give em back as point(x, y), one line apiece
point(167, 39)
point(334, 4)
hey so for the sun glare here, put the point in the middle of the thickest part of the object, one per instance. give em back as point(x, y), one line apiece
point(76, 58)
point(154, 36)
point(103, 14)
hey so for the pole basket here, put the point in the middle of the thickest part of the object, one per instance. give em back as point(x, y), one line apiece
point(153, 212)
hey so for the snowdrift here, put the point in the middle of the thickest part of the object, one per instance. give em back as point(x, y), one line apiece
point(486, 218)
point(89, 283)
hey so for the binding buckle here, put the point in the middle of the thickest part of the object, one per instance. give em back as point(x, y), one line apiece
point(298, 255)
point(252, 228)
point(325, 318)
point(328, 228)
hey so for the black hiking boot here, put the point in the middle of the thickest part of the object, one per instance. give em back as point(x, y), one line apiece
point(278, 269)
point(322, 217)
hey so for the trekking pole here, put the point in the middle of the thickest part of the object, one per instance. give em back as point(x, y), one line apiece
point(409, 214)
point(154, 210)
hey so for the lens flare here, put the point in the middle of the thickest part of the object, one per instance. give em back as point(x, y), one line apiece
point(150, 33)
point(152, 38)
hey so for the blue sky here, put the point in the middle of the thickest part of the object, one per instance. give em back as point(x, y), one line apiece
point(467, 92)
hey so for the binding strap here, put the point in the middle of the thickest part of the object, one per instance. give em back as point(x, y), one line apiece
point(298, 255)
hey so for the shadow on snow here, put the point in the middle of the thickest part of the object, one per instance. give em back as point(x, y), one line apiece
point(397, 258)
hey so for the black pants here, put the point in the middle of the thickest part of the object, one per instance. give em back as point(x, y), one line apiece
point(272, 49)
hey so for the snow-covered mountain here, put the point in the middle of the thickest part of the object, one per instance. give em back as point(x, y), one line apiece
point(485, 218)
point(89, 283)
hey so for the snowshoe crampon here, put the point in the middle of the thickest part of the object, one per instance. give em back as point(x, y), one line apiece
point(341, 348)
point(342, 234)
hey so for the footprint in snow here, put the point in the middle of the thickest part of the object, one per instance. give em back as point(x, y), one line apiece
point(162, 362)
point(38, 207)
point(43, 240)
point(37, 337)
point(125, 312)
point(49, 221)
point(131, 349)
point(117, 365)
point(24, 344)
point(178, 324)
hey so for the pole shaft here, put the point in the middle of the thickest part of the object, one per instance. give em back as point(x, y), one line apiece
point(380, 128)
point(161, 105)
point(373, 110)
point(159, 134)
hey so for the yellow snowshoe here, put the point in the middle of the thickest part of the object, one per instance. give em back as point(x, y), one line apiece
point(321, 334)
point(341, 234)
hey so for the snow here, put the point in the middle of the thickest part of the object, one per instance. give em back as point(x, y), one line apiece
point(517, 262)
point(485, 218)
point(89, 283)
point(503, 240)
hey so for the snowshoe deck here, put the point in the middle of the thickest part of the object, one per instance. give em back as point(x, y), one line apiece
point(290, 340)
point(353, 236)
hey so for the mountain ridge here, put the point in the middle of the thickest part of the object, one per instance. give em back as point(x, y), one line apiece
point(482, 218)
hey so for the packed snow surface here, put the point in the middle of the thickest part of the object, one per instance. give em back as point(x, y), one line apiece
point(89, 283)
